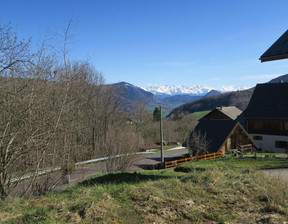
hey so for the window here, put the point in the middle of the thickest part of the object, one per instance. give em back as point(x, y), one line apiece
point(281, 144)
point(257, 137)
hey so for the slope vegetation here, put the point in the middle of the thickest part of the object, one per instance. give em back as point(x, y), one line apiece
point(210, 196)
point(239, 99)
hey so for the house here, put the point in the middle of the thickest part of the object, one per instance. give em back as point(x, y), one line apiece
point(220, 136)
point(223, 113)
point(266, 117)
point(218, 131)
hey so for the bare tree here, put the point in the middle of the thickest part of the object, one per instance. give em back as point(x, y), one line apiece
point(54, 114)
point(13, 52)
point(197, 143)
point(14, 141)
point(120, 148)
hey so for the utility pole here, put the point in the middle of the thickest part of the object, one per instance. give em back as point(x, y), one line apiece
point(161, 138)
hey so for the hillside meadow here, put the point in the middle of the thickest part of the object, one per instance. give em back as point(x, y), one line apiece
point(211, 195)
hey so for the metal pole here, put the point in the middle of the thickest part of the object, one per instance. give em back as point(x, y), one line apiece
point(161, 138)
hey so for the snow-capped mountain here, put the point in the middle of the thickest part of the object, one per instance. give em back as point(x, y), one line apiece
point(171, 90)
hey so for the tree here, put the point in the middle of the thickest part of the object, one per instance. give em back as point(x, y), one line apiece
point(156, 114)
point(120, 148)
point(13, 52)
point(197, 143)
point(15, 138)
point(176, 116)
point(55, 113)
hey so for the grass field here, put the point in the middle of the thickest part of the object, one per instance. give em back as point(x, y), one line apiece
point(230, 162)
point(236, 194)
point(268, 154)
point(198, 115)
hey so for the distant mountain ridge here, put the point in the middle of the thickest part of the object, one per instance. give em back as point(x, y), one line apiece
point(162, 91)
point(283, 78)
point(213, 93)
point(240, 99)
point(182, 103)
point(132, 95)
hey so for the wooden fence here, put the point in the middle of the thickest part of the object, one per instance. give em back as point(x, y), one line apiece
point(192, 159)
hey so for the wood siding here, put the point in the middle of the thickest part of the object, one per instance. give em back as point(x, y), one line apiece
point(267, 126)
point(238, 137)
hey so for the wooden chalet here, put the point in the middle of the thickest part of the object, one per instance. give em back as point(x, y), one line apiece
point(266, 117)
point(223, 135)
point(221, 131)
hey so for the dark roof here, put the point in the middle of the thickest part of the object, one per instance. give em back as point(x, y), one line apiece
point(279, 50)
point(217, 131)
point(269, 101)
point(231, 112)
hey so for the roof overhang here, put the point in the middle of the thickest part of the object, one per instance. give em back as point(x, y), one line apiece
point(278, 50)
point(273, 58)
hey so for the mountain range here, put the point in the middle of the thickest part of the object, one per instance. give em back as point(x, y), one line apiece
point(131, 96)
point(163, 91)
point(181, 99)
point(240, 99)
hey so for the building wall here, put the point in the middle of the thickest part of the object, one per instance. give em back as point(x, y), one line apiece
point(268, 142)
point(238, 137)
point(267, 126)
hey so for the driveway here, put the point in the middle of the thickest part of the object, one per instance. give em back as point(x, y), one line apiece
point(149, 161)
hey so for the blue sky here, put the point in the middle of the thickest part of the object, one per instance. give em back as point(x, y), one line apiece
point(183, 42)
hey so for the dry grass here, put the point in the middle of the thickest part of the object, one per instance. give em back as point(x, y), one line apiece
point(211, 196)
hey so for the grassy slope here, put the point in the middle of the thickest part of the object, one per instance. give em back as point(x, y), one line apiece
point(230, 162)
point(213, 195)
point(198, 115)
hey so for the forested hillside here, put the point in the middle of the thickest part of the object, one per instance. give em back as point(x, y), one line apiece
point(238, 99)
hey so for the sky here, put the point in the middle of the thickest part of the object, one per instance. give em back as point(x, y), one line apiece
point(182, 42)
